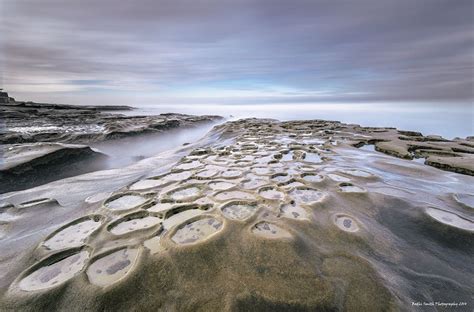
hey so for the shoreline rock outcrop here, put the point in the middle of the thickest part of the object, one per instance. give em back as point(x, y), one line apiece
point(43, 129)
point(259, 215)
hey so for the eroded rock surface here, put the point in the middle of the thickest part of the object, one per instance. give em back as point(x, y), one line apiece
point(266, 215)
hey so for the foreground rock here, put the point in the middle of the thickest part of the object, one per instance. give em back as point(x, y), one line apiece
point(258, 216)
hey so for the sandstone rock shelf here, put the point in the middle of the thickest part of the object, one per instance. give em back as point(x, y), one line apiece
point(246, 219)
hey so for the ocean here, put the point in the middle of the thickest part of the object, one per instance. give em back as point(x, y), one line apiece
point(449, 120)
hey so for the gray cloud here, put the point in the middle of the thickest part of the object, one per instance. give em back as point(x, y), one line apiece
point(270, 51)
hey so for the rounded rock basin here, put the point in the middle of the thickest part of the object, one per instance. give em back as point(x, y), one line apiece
point(238, 195)
point(269, 230)
point(291, 184)
point(338, 178)
point(112, 267)
point(271, 193)
point(189, 165)
point(231, 174)
point(346, 223)
point(55, 270)
point(262, 171)
point(146, 184)
point(313, 158)
point(312, 178)
point(220, 185)
point(280, 177)
point(294, 212)
point(125, 202)
point(207, 173)
point(134, 222)
point(450, 219)
point(254, 183)
point(196, 231)
point(306, 195)
point(184, 193)
point(73, 234)
point(350, 188)
point(178, 176)
point(239, 210)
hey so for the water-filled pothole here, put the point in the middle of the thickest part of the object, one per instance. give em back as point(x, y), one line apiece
point(254, 183)
point(294, 212)
point(271, 193)
point(238, 195)
point(73, 234)
point(313, 158)
point(147, 184)
point(196, 231)
point(125, 202)
point(231, 174)
point(220, 185)
point(346, 223)
point(450, 219)
point(189, 165)
point(55, 270)
point(207, 173)
point(239, 210)
point(280, 177)
point(351, 188)
point(112, 267)
point(262, 170)
point(133, 222)
point(338, 178)
point(184, 193)
point(312, 178)
point(178, 176)
point(304, 195)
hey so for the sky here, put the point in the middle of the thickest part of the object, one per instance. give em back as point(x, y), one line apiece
point(237, 52)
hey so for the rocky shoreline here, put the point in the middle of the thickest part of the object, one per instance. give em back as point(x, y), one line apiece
point(33, 137)
point(258, 215)
point(77, 124)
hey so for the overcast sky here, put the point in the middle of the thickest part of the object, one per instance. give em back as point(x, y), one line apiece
point(273, 51)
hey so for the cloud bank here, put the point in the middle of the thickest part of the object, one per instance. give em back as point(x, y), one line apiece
point(259, 51)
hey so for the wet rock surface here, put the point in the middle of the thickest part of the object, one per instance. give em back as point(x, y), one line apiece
point(261, 215)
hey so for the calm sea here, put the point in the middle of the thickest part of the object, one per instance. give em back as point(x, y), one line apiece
point(447, 120)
